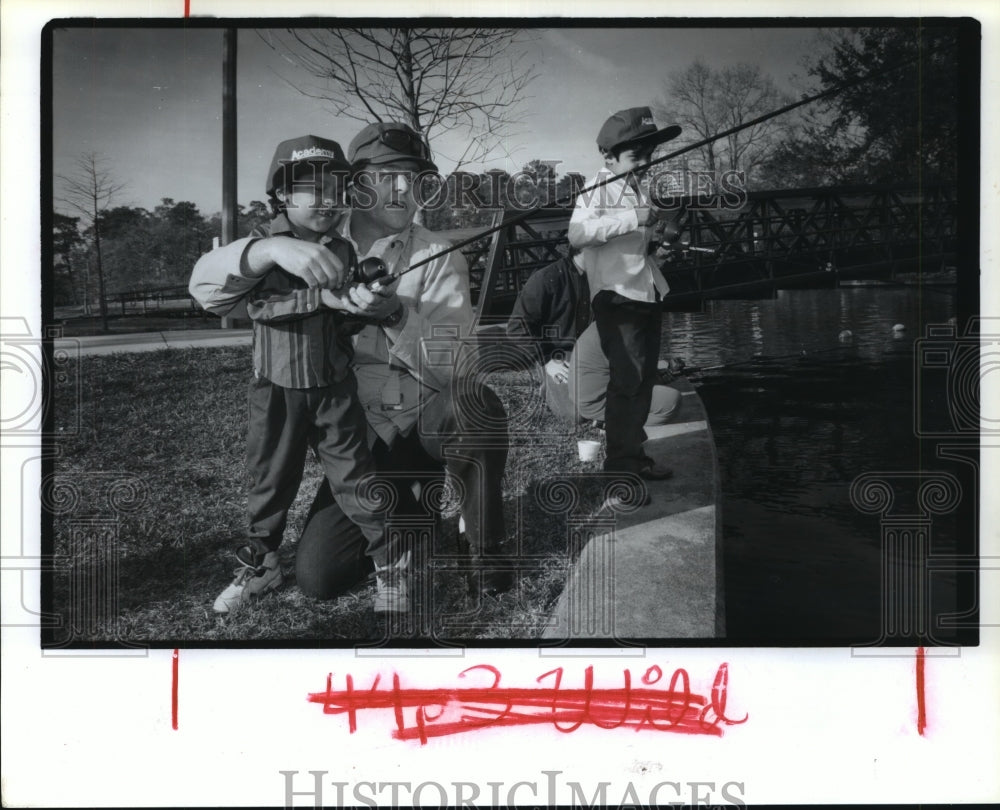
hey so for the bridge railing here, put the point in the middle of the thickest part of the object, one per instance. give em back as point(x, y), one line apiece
point(778, 237)
point(771, 239)
point(499, 264)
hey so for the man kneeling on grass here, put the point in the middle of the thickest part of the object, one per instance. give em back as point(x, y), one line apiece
point(416, 372)
point(293, 278)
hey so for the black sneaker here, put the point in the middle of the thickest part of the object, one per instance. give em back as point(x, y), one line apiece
point(655, 472)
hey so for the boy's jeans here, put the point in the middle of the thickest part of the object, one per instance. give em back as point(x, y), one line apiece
point(630, 338)
point(284, 423)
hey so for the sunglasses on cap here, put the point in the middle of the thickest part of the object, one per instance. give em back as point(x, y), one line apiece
point(402, 141)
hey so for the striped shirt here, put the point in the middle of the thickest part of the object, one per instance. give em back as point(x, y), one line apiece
point(295, 338)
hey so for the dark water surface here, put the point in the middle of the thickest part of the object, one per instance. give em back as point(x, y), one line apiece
point(797, 416)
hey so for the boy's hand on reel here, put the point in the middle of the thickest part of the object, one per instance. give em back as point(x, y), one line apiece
point(313, 263)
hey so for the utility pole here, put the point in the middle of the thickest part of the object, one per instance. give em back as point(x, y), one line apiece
point(228, 143)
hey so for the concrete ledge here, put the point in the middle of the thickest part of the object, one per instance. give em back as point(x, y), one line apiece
point(675, 429)
point(652, 580)
point(654, 573)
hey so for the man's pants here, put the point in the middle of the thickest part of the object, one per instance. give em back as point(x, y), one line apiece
point(630, 338)
point(463, 432)
point(589, 372)
point(284, 423)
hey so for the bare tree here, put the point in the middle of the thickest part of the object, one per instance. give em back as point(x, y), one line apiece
point(89, 191)
point(434, 79)
point(706, 102)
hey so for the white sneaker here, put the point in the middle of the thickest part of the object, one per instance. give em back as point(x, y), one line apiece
point(392, 583)
point(250, 581)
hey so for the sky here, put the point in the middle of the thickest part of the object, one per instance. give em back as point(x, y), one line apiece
point(149, 100)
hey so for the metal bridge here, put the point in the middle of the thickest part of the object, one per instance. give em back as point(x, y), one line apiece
point(774, 240)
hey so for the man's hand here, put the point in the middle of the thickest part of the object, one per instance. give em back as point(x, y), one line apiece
point(558, 370)
point(339, 300)
point(313, 263)
point(375, 305)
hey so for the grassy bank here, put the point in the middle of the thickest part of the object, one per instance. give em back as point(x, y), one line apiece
point(149, 503)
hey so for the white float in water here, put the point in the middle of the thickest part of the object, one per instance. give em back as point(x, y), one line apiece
point(845, 335)
point(899, 327)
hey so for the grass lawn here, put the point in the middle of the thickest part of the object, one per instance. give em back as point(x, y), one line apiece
point(148, 498)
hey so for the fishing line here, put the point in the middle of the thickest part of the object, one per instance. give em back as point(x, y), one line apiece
point(385, 277)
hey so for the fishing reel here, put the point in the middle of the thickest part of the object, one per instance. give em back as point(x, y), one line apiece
point(667, 245)
point(369, 272)
point(667, 232)
point(665, 239)
point(670, 369)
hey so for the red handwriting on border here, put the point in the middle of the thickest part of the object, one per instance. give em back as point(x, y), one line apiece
point(440, 712)
point(173, 688)
point(921, 708)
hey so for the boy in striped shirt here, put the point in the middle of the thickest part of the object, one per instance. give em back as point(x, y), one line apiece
point(293, 277)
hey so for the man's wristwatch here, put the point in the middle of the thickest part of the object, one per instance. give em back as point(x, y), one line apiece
point(396, 316)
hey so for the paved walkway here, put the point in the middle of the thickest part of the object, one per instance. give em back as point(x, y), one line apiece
point(153, 341)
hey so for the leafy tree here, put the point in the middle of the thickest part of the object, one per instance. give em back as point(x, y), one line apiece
point(495, 188)
point(121, 220)
point(66, 245)
point(179, 234)
point(252, 216)
point(470, 80)
point(900, 125)
point(569, 186)
point(127, 246)
point(149, 249)
point(248, 217)
point(542, 174)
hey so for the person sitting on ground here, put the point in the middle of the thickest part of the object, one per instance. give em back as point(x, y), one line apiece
point(292, 276)
point(553, 308)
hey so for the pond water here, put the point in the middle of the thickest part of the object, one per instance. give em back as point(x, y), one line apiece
point(798, 414)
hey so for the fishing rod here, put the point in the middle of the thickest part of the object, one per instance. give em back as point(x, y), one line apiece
point(376, 275)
